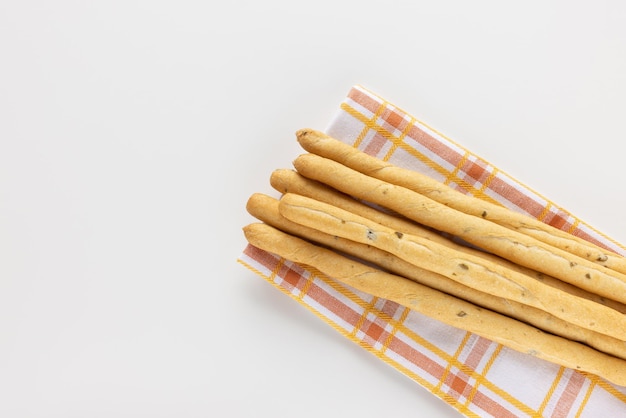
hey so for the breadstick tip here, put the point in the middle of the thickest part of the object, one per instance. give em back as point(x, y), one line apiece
point(303, 132)
point(248, 231)
point(302, 137)
point(279, 179)
point(254, 201)
point(250, 204)
point(307, 137)
point(254, 233)
point(297, 161)
point(291, 198)
point(303, 159)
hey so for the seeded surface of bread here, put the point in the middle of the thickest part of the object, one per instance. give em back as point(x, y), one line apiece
point(504, 242)
point(321, 144)
point(266, 209)
point(465, 268)
point(438, 305)
point(290, 181)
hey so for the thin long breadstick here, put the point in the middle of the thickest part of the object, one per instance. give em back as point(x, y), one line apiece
point(511, 245)
point(290, 181)
point(265, 208)
point(321, 144)
point(440, 306)
point(465, 268)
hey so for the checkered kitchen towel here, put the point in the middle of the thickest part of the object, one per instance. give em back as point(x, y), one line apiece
point(476, 376)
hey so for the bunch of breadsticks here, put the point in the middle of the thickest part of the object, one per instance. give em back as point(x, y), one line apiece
point(402, 236)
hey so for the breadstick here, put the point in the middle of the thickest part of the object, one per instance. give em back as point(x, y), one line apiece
point(509, 244)
point(321, 144)
point(440, 306)
point(465, 268)
point(289, 181)
point(265, 208)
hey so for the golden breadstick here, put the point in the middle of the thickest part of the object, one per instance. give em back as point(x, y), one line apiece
point(440, 306)
point(483, 275)
point(265, 208)
point(289, 181)
point(321, 144)
point(506, 243)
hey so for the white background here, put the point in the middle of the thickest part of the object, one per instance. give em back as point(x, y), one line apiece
point(133, 132)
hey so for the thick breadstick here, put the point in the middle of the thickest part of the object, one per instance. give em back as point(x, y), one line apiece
point(321, 144)
point(509, 244)
point(289, 181)
point(265, 208)
point(440, 306)
point(465, 268)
